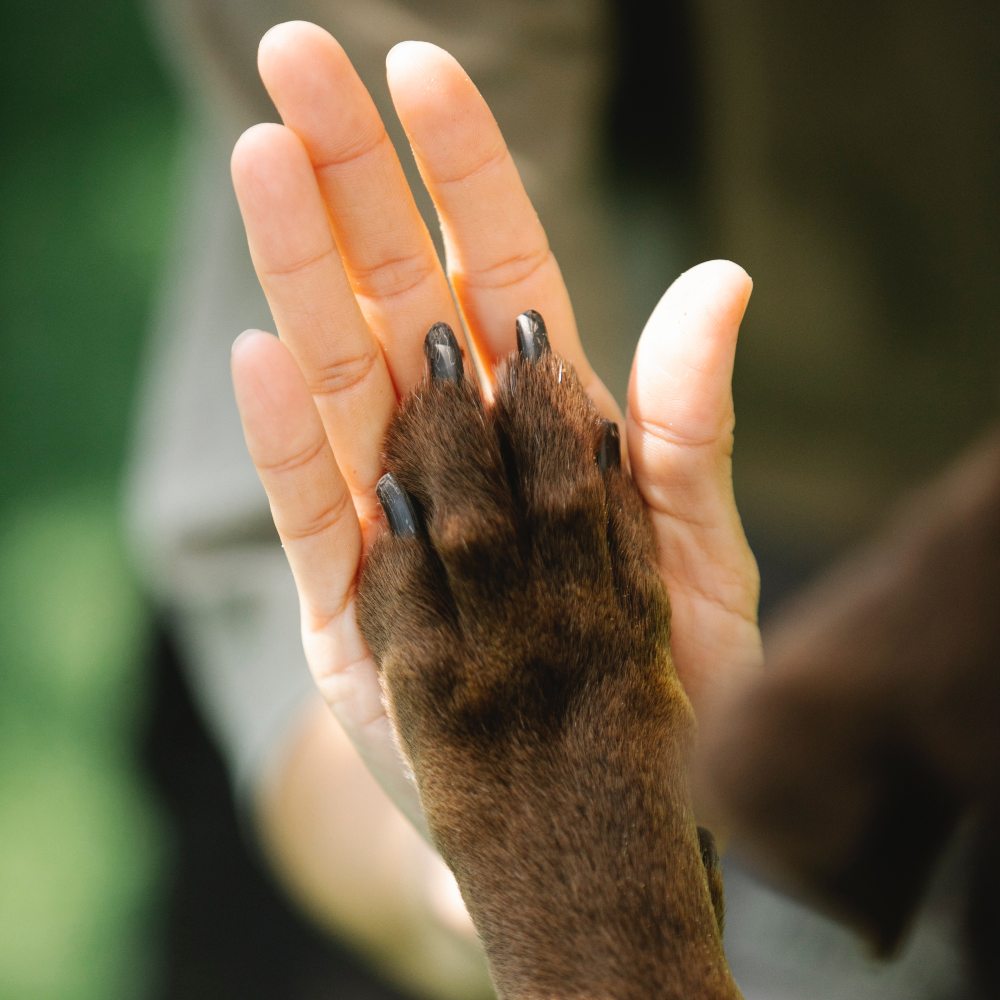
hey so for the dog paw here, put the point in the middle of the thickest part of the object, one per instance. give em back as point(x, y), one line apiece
point(522, 633)
point(518, 577)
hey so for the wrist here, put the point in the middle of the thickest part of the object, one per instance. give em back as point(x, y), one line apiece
point(591, 910)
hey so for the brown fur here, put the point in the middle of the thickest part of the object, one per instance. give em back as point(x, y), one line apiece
point(873, 735)
point(523, 639)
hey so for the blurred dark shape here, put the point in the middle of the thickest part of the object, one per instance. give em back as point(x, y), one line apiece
point(874, 731)
point(228, 930)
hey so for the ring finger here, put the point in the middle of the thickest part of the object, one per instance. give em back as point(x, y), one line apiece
point(313, 305)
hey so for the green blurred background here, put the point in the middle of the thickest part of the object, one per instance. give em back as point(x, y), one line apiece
point(86, 188)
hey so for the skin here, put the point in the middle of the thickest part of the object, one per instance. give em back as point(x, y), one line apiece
point(353, 283)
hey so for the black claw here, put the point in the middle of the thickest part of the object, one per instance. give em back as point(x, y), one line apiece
point(532, 337)
point(709, 852)
point(399, 511)
point(609, 451)
point(444, 356)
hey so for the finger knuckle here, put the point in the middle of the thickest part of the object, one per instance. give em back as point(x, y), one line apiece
point(343, 374)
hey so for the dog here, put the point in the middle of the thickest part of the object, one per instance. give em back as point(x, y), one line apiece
point(523, 640)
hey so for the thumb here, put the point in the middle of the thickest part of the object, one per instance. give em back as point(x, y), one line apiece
point(680, 440)
point(680, 422)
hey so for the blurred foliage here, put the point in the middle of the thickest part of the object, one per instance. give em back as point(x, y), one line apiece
point(85, 180)
point(80, 843)
point(85, 184)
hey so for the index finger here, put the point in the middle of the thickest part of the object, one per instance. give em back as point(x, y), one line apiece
point(499, 260)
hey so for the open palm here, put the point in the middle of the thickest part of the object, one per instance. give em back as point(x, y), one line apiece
point(353, 282)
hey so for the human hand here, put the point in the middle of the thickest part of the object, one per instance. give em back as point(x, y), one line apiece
point(354, 283)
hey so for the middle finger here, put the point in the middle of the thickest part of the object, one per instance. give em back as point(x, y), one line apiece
point(387, 253)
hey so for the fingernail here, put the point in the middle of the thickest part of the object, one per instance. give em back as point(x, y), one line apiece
point(609, 451)
point(532, 337)
point(399, 511)
point(443, 354)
